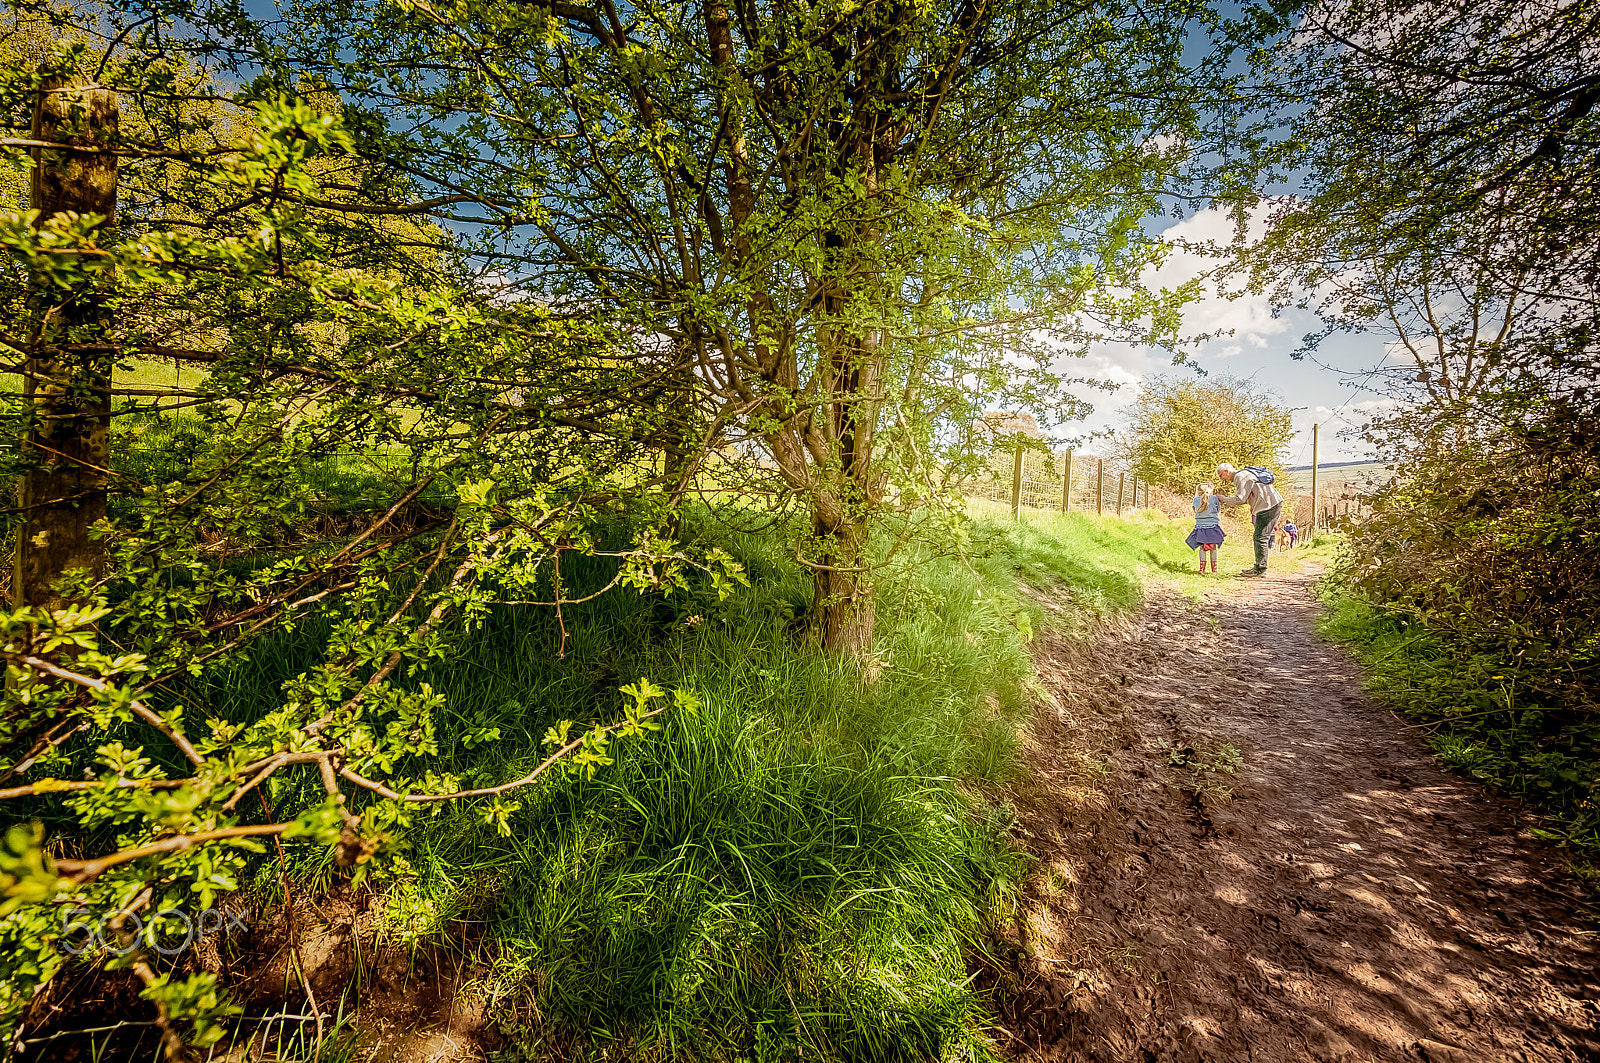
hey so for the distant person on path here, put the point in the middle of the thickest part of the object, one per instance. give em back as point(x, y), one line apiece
point(1265, 505)
point(1291, 532)
point(1208, 533)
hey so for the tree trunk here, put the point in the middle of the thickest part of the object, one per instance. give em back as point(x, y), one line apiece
point(843, 609)
point(67, 372)
point(844, 612)
point(824, 443)
point(830, 465)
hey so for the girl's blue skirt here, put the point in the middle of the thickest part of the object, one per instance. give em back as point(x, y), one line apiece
point(1205, 535)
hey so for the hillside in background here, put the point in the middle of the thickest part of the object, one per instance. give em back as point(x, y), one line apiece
point(1359, 475)
point(1341, 487)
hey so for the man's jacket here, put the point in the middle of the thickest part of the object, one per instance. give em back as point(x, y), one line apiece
point(1248, 491)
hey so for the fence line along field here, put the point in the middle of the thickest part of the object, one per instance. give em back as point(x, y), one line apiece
point(1071, 481)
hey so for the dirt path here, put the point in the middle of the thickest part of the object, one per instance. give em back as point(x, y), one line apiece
point(1348, 900)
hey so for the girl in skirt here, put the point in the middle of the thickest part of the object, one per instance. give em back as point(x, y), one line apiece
point(1208, 533)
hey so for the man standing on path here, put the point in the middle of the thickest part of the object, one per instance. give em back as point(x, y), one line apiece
point(1265, 504)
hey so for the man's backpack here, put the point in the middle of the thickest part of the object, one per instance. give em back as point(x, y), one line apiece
point(1264, 476)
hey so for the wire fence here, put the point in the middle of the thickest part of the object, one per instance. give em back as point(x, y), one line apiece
point(1068, 480)
point(1071, 481)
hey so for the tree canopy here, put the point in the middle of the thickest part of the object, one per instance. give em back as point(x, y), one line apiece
point(358, 320)
point(1179, 430)
point(1449, 169)
point(823, 228)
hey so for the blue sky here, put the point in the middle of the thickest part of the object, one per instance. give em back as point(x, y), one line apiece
point(1324, 391)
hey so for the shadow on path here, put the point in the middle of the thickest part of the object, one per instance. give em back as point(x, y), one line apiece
point(1244, 858)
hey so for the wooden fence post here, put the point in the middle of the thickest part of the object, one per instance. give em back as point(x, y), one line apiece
point(1100, 487)
point(66, 378)
point(1122, 478)
point(1066, 484)
point(1016, 483)
point(1311, 538)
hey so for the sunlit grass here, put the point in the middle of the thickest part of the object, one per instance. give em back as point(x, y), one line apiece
point(1104, 561)
point(804, 867)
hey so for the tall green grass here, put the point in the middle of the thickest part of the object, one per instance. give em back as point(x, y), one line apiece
point(798, 870)
point(804, 868)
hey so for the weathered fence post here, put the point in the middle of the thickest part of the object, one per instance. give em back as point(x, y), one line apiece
point(66, 372)
point(1311, 538)
point(1122, 479)
point(1016, 483)
point(1100, 487)
point(1066, 484)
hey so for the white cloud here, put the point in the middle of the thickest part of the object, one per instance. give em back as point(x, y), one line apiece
point(1248, 341)
point(1115, 363)
point(1247, 318)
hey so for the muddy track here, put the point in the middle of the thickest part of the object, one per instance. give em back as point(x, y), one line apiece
point(1242, 857)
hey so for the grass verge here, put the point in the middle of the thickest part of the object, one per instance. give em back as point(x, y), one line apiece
point(802, 869)
point(1100, 564)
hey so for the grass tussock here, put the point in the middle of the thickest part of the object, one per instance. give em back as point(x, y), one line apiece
point(801, 869)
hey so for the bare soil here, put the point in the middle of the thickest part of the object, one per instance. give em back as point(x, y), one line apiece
point(1243, 857)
